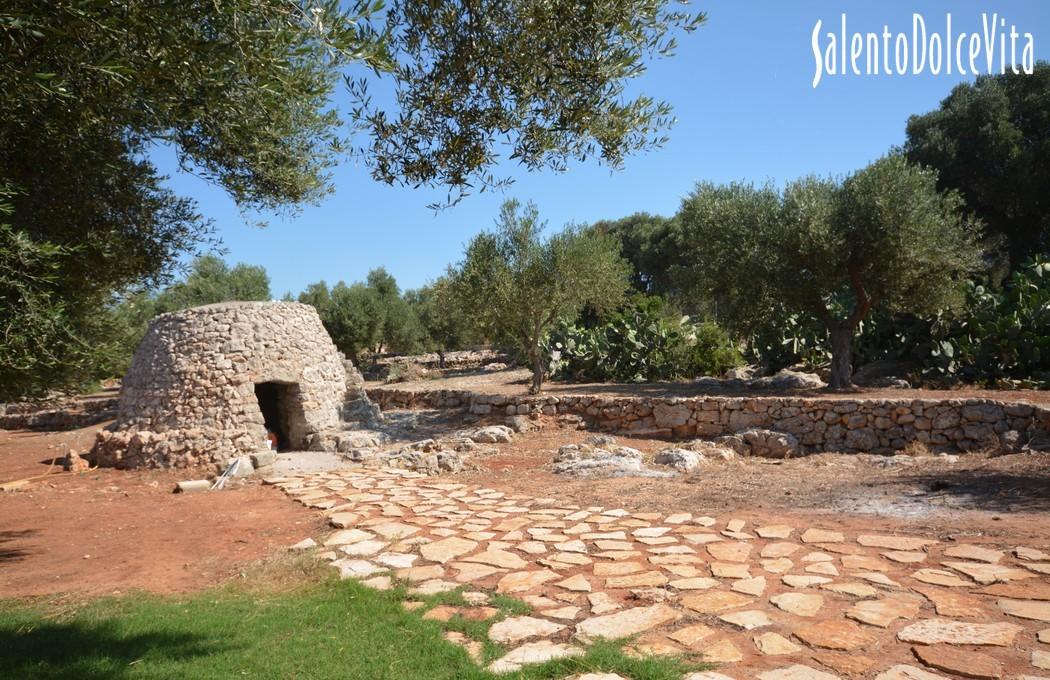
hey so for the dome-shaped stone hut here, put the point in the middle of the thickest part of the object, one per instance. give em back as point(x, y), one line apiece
point(211, 383)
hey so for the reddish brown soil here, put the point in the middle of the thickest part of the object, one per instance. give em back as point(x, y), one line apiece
point(110, 531)
point(516, 382)
point(998, 499)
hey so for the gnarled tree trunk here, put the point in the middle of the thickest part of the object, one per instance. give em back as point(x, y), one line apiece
point(841, 355)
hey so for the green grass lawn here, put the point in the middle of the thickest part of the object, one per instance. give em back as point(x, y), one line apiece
point(320, 628)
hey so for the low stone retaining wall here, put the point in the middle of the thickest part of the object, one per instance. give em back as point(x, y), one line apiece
point(67, 416)
point(820, 424)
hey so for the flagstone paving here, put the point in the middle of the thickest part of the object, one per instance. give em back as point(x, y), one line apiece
point(779, 602)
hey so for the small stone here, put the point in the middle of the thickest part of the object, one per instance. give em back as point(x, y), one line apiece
point(883, 612)
point(895, 542)
point(303, 545)
point(643, 580)
point(949, 603)
point(775, 644)
point(777, 566)
point(750, 586)
point(602, 603)
point(379, 583)
point(564, 613)
point(726, 551)
point(987, 574)
point(1044, 636)
point(940, 577)
point(960, 662)
point(775, 550)
point(775, 531)
point(441, 613)
point(934, 631)
point(695, 583)
point(363, 548)
point(523, 581)
point(1031, 554)
point(473, 648)
point(853, 588)
point(1041, 659)
point(347, 536)
point(577, 584)
point(803, 580)
point(727, 570)
point(497, 558)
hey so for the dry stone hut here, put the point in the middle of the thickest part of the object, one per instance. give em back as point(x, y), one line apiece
point(207, 383)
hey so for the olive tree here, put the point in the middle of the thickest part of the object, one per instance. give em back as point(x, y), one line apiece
point(517, 284)
point(829, 251)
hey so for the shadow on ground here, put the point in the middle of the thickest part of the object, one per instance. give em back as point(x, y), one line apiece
point(993, 490)
point(9, 553)
point(98, 651)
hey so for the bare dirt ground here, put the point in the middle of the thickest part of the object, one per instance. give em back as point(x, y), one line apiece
point(515, 382)
point(110, 531)
point(976, 497)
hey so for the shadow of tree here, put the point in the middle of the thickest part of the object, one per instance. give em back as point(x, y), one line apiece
point(12, 554)
point(995, 490)
point(90, 651)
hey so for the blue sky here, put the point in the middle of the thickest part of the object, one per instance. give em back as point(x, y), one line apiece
point(741, 87)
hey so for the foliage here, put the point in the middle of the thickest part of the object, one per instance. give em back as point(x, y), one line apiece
point(829, 252)
point(326, 630)
point(371, 316)
point(239, 89)
point(989, 140)
point(648, 243)
point(644, 342)
point(519, 285)
point(1001, 335)
point(444, 325)
point(547, 79)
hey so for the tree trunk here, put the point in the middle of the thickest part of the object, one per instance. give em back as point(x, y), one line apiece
point(537, 370)
point(841, 355)
point(441, 359)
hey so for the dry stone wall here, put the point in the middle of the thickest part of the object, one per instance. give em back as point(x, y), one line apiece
point(189, 396)
point(819, 424)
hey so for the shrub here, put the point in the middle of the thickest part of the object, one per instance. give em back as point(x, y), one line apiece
point(641, 343)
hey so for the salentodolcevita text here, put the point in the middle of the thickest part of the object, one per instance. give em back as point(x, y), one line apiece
point(989, 49)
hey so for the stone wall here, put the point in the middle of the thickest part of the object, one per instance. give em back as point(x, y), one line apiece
point(820, 424)
point(68, 414)
point(189, 395)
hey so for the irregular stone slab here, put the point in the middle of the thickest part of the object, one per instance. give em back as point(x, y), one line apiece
point(775, 644)
point(750, 586)
point(648, 579)
point(533, 652)
point(577, 584)
point(822, 536)
point(865, 563)
point(707, 675)
point(421, 573)
point(748, 620)
point(695, 583)
point(799, 604)
point(953, 604)
point(862, 590)
point(723, 651)
point(850, 665)
point(441, 613)
point(1027, 591)
point(1026, 609)
point(1038, 567)
point(473, 648)
point(469, 573)
point(935, 631)
point(446, 549)
point(518, 628)
point(904, 556)
point(394, 530)
point(356, 568)
point(1044, 636)
point(1041, 659)
point(379, 583)
point(986, 574)
point(523, 581)
point(497, 558)
point(908, 543)
point(778, 565)
point(775, 531)
point(844, 636)
point(714, 602)
point(878, 578)
point(730, 570)
point(974, 552)
point(602, 603)
point(803, 580)
point(729, 551)
point(906, 672)
point(303, 545)
point(347, 536)
point(883, 612)
point(433, 587)
point(940, 577)
point(691, 635)
point(826, 568)
point(397, 560)
point(796, 672)
point(774, 550)
point(960, 662)
point(625, 623)
point(617, 568)
point(1031, 554)
point(362, 548)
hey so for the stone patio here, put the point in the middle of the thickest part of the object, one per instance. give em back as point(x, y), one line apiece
point(777, 602)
